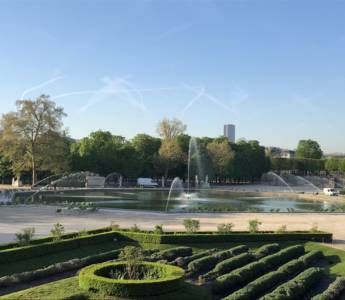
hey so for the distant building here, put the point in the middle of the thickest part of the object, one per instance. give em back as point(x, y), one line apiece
point(229, 132)
point(279, 152)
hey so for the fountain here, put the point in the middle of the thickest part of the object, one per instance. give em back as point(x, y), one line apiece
point(177, 185)
point(307, 182)
point(281, 180)
point(113, 180)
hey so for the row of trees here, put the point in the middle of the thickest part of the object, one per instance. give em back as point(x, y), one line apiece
point(32, 139)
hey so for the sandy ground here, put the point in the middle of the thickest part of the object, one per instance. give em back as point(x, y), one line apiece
point(13, 219)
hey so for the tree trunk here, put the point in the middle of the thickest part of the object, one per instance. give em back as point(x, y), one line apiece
point(33, 172)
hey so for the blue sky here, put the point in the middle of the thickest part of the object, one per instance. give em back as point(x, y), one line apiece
point(274, 68)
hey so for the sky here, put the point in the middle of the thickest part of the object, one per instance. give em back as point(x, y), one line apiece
point(275, 69)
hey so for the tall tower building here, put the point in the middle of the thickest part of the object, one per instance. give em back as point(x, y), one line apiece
point(229, 132)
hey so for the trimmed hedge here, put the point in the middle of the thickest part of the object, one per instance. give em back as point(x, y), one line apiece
point(26, 252)
point(241, 276)
point(267, 250)
point(91, 278)
point(183, 261)
point(335, 290)
point(70, 241)
point(264, 283)
point(298, 287)
point(228, 265)
point(215, 237)
point(172, 253)
point(51, 239)
point(207, 263)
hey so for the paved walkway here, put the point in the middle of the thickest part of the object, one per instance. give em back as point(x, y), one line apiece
point(13, 219)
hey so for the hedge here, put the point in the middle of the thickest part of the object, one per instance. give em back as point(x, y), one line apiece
point(51, 239)
point(26, 252)
point(264, 283)
point(215, 237)
point(91, 278)
point(298, 287)
point(183, 261)
point(207, 263)
point(45, 246)
point(335, 290)
point(230, 264)
point(172, 253)
point(267, 250)
point(241, 276)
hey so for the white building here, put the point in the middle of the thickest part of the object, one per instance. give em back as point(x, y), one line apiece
point(229, 132)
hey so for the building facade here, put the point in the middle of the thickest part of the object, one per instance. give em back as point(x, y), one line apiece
point(229, 132)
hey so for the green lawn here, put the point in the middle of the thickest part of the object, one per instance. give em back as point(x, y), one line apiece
point(69, 289)
point(334, 265)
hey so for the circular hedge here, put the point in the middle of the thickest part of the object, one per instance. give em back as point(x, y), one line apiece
point(94, 278)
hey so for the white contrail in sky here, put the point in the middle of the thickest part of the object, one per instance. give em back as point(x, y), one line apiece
point(194, 99)
point(43, 84)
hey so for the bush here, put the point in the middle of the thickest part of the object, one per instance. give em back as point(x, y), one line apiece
point(114, 226)
point(267, 250)
point(282, 229)
point(254, 225)
point(191, 225)
point(23, 238)
point(230, 281)
point(92, 278)
point(207, 263)
point(135, 228)
point(298, 287)
point(183, 261)
point(172, 253)
point(261, 285)
point(314, 228)
point(133, 257)
point(225, 227)
point(57, 231)
point(158, 229)
point(228, 265)
point(334, 291)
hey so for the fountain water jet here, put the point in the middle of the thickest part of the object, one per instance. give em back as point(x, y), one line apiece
point(308, 183)
point(281, 180)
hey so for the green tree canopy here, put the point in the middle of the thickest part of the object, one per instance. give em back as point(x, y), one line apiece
point(31, 136)
point(309, 149)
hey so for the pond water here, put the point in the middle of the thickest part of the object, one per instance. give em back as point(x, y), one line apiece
point(204, 201)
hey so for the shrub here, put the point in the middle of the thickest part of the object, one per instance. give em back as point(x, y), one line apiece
point(172, 253)
point(298, 287)
point(261, 285)
point(133, 257)
point(230, 281)
point(228, 265)
point(82, 233)
point(334, 291)
point(225, 227)
point(114, 226)
point(135, 228)
point(57, 231)
point(282, 229)
point(182, 261)
point(158, 229)
point(92, 278)
point(314, 228)
point(207, 263)
point(254, 225)
point(25, 236)
point(191, 225)
point(266, 250)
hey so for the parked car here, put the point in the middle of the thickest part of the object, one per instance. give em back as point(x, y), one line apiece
point(146, 182)
point(330, 192)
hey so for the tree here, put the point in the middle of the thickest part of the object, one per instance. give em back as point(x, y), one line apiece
point(146, 148)
point(170, 129)
point(170, 155)
point(309, 149)
point(29, 134)
point(221, 156)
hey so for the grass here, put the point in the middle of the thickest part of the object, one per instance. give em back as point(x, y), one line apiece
point(69, 289)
